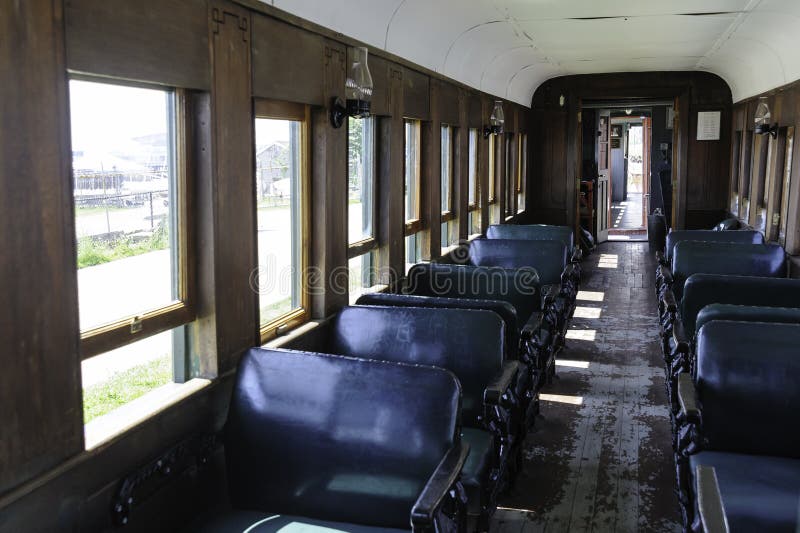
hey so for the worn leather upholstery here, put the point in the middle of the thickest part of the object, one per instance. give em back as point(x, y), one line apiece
point(337, 438)
point(467, 342)
point(739, 237)
point(504, 309)
point(748, 313)
point(746, 379)
point(701, 290)
point(532, 232)
point(521, 288)
point(746, 427)
point(760, 493)
point(694, 257)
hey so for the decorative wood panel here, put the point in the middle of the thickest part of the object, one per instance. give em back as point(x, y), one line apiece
point(287, 62)
point(416, 94)
point(40, 385)
point(235, 309)
point(448, 103)
point(159, 41)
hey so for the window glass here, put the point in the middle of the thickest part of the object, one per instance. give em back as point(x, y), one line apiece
point(473, 167)
point(125, 193)
point(447, 169)
point(509, 178)
point(413, 250)
point(361, 275)
point(475, 222)
point(361, 178)
point(279, 186)
point(412, 169)
point(492, 185)
point(523, 170)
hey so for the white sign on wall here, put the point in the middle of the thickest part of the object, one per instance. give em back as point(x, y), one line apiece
point(708, 123)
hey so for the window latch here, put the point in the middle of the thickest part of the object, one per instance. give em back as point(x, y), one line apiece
point(136, 324)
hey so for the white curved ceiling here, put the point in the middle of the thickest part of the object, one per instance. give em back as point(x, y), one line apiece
point(509, 47)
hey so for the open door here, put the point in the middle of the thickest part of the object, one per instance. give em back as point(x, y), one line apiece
point(603, 193)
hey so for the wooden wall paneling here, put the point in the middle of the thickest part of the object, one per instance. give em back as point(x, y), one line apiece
point(288, 62)
point(235, 311)
point(462, 166)
point(391, 254)
point(416, 94)
point(475, 117)
point(449, 106)
point(163, 41)
point(574, 148)
point(680, 166)
point(379, 70)
point(329, 193)
point(431, 187)
point(40, 385)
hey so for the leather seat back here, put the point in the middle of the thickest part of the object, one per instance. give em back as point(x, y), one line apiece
point(740, 237)
point(549, 258)
point(467, 342)
point(519, 287)
point(747, 375)
point(701, 290)
point(505, 310)
point(747, 313)
point(696, 257)
point(336, 438)
point(532, 232)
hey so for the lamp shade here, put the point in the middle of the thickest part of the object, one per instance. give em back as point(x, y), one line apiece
point(497, 118)
point(358, 86)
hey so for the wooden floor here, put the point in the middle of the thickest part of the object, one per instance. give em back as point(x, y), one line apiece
point(627, 214)
point(600, 458)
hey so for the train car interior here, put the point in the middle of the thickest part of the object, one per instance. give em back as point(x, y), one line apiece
point(362, 266)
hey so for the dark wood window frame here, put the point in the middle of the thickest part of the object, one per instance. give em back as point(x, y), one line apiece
point(265, 108)
point(131, 329)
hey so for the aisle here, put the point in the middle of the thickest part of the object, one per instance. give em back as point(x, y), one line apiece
point(600, 458)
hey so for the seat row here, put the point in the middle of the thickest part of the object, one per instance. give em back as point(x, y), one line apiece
point(730, 326)
point(404, 410)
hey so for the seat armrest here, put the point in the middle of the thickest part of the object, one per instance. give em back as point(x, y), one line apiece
point(666, 276)
point(438, 488)
point(710, 508)
point(669, 302)
point(577, 254)
point(549, 293)
point(570, 272)
point(661, 259)
point(679, 337)
point(497, 391)
point(531, 328)
point(689, 408)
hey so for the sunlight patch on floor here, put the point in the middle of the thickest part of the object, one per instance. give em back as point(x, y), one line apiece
point(572, 364)
point(587, 312)
point(608, 261)
point(590, 296)
point(581, 334)
point(561, 398)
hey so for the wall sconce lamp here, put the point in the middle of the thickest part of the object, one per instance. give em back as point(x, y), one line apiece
point(763, 117)
point(358, 91)
point(496, 120)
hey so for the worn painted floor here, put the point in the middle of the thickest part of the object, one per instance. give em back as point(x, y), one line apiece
point(627, 214)
point(600, 458)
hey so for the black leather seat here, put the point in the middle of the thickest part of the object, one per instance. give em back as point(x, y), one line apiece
point(702, 290)
point(526, 391)
point(740, 416)
point(470, 344)
point(352, 444)
point(549, 258)
point(537, 320)
point(747, 313)
point(674, 237)
point(540, 232)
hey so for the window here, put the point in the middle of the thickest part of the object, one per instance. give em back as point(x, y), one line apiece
point(786, 173)
point(361, 198)
point(522, 171)
point(361, 179)
point(362, 275)
point(494, 208)
point(449, 227)
point(736, 154)
point(473, 184)
point(746, 172)
point(412, 172)
point(133, 254)
point(281, 137)
point(510, 175)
